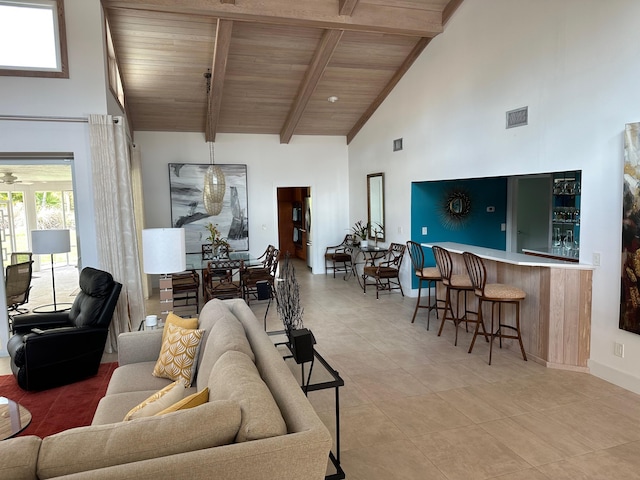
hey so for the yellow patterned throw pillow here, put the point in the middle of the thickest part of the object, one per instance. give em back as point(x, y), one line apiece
point(189, 323)
point(157, 402)
point(193, 400)
point(178, 354)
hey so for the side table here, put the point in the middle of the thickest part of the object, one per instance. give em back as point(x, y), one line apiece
point(14, 418)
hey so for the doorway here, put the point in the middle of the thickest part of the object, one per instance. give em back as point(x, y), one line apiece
point(38, 194)
point(533, 207)
point(294, 223)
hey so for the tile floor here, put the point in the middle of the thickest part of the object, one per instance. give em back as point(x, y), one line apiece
point(416, 407)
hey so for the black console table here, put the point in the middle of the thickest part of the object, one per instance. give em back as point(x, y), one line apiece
point(320, 376)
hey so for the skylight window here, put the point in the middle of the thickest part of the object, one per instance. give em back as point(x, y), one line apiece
point(32, 39)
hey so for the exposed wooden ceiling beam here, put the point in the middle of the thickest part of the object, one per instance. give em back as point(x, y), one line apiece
point(326, 47)
point(415, 53)
point(218, 70)
point(368, 17)
point(347, 6)
point(449, 10)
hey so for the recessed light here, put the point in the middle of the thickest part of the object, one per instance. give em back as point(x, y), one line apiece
point(332, 99)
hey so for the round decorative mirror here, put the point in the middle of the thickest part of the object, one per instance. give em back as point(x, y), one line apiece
point(457, 207)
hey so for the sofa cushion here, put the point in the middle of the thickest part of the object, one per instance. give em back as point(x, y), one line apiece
point(235, 377)
point(157, 402)
point(19, 457)
point(135, 377)
point(178, 354)
point(227, 333)
point(88, 448)
point(192, 401)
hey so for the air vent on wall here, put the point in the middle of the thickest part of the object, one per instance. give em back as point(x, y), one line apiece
point(518, 117)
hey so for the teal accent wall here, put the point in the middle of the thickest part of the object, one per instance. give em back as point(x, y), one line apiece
point(482, 228)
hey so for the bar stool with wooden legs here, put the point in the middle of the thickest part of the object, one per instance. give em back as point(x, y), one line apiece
point(430, 275)
point(460, 283)
point(496, 293)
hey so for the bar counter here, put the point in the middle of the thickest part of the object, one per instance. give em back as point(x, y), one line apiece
point(555, 317)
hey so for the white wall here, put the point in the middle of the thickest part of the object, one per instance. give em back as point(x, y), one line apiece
point(318, 162)
point(574, 63)
point(79, 95)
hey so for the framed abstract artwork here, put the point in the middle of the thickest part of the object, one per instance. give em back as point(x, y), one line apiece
point(630, 295)
point(193, 188)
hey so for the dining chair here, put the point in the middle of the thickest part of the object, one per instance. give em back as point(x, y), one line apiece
point(386, 274)
point(186, 288)
point(224, 277)
point(339, 257)
point(428, 275)
point(267, 272)
point(17, 288)
point(497, 294)
point(458, 283)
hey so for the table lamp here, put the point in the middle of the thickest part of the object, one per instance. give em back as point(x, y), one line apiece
point(164, 253)
point(48, 242)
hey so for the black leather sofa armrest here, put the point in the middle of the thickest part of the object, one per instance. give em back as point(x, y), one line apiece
point(24, 323)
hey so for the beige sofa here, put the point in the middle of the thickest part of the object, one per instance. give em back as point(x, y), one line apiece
point(245, 430)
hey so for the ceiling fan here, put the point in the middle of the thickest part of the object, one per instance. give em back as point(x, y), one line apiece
point(9, 178)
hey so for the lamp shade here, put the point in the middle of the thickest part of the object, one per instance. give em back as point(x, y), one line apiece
point(163, 250)
point(50, 241)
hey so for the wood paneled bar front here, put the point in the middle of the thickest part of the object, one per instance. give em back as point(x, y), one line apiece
point(555, 317)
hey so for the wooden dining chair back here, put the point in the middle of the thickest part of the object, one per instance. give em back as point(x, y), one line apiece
point(267, 272)
point(225, 279)
point(386, 274)
point(186, 288)
point(458, 283)
point(339, 258)
point(496, 294)
point(430, 276)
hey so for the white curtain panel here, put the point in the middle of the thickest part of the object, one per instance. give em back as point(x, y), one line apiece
point(117, 238)
point(138, 208)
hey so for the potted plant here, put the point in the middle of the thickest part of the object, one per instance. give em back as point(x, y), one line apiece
point(378, 232)
point(220, 245)
point(361, 230)
point(301, 339)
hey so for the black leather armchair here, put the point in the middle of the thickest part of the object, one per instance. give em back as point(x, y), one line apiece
point(53, 349)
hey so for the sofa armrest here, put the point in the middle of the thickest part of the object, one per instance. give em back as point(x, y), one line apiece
point(136, 347)
point(19, 457)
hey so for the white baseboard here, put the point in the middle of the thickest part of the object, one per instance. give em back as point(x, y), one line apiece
point(621, 379)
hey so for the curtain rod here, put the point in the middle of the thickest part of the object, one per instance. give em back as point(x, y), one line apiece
point(27, 118)
point(33, 118)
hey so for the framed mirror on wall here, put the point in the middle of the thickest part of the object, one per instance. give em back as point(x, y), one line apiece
point(375, 205)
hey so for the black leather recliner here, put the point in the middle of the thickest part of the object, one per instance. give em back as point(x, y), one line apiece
point(66, 346)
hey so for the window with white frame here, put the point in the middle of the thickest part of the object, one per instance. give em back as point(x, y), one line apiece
point(115, 80)
point(32, 38)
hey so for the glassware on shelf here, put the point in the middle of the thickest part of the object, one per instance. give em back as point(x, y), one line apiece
point(557, 239)
point(568, 240)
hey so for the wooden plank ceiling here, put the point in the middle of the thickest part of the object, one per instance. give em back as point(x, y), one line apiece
point(274, 63)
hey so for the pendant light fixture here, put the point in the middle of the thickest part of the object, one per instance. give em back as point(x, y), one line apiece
point(214, 186)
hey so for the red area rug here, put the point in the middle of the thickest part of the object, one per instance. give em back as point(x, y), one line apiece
point(60, 408)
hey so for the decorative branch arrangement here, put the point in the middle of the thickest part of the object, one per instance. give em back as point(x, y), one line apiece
point(288, 297)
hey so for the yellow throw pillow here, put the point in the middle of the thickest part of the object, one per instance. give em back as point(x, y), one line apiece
point(193, 400)
point(188, 323)
point(178, 354)
point(157, 402)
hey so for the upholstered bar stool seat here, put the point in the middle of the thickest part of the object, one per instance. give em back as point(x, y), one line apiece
point(497, 294)
point(454, 282)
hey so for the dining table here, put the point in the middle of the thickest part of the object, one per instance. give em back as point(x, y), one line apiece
point(199, 263)
point(370, 254)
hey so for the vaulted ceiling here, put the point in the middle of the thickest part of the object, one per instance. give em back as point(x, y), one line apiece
point(274, 63)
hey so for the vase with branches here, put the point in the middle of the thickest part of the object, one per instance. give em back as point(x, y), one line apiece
point(218, 242)
point(301, 339)
point(361, 229)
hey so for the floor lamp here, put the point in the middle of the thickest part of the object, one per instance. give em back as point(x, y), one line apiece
point(164, 253)
point(48, 242)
